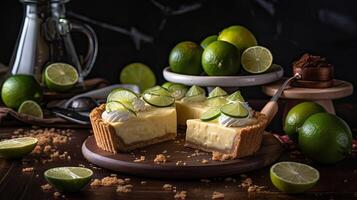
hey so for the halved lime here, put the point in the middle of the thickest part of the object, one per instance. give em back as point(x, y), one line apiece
point(293, 177)
point(235, 110)
point(217, 92)
point(17, 148)
point(236, 96)
point(122, 95)
point(115, 105)
point(195, 91)
point(60, 77)
point(177, 90)
point(68, 179)
point(139, 74)
point(256, 59)
point(211, 114)
point(30, 107)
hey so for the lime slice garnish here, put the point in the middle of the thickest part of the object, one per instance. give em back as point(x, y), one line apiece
point(60, 77)
point(158, 100)
point(17, 148)
point(293, 177)
point(177, 90)
point(256, 59)
point(211, 114)
point(68, 179)
point(195, 91)
point(158, 96)
point(217, 92)
point(139, 74)
point(236, 96)
point(115, 105)
point(30, 107)
point(122, 95)
point(216, 102)
point(235, 110)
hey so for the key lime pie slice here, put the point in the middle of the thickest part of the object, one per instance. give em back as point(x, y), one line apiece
point(127, 121)
point(229, 130)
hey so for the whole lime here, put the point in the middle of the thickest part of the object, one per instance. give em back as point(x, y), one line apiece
point(326, 138)
point(240, 36)
point(297, 116)
point(221, 59)
point(208, 40)
point(19, 88)
point(185, 58)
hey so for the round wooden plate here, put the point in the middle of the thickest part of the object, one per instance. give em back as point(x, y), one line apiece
point(182, 162)
point(241, 80)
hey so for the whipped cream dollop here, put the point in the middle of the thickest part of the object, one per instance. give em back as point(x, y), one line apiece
point(197, 98)
point(227, 121)
point(117, 115)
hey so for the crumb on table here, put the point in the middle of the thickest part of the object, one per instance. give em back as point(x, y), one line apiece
point(160, 158)
point(181, 195)
point(217, 195)
point(27, 169)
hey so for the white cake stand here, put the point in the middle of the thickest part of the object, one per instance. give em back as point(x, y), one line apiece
point(242, 80)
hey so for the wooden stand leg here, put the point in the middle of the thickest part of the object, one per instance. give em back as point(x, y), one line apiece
point(327, 104)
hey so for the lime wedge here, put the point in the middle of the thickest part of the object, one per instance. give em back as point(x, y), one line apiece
point(235, 110)
point(211, 114)
point(216, 102)
point(60, 77)
point(195, 91)
point(17, 148)
point(217, 92)
point(138, 74)
point(158, 96)
point(293, 177)
point(177, 90)
point(68, 179)
point(256, 59)
point(115, 105)
point(236, 96)
point(122, 95)
point(30, 107)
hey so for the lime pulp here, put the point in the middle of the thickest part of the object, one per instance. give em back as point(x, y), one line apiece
point(256, 59)
point(139, 74)
point(18, 147)
point(60, 77)
point(236, 96)
point(30, 107)
point(217, 92)
point(211, 114)
point(235, 110)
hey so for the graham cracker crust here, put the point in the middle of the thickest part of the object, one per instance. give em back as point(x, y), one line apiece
point(107, 139)
point(245, 144)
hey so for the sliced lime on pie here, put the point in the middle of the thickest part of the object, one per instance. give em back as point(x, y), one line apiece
point(128, 121)
point(177, 90)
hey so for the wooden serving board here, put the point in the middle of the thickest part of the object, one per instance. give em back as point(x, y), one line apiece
point(182, 162)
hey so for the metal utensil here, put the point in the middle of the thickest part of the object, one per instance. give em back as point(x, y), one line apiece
point(71, 115)
point(271, 108)
point(83, 104)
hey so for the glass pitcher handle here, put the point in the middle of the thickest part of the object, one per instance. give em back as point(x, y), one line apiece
point(92, 45)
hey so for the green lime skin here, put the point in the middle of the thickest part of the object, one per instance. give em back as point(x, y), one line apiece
point(297, 116)
point(325, 138)
point(19, 88)
point(185, 58)
point(221, 59)
point(240, 36)
point(17, 152)
point(208, 40)
point(67, 185)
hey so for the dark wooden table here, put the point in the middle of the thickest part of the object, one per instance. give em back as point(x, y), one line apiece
point(337, 181)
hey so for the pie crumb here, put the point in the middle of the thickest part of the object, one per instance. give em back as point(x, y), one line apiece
point(124, 188)
point(160, 158)
point(96, 183)
point(143, 182)
point(217, 195)
point(181, 195)
point(27, 169)
point(46, 187)
point(167, 187)
point(204, 161)
point(141, 159)
point(56, 194)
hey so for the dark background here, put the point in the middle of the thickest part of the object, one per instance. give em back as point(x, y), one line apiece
point(288, 28)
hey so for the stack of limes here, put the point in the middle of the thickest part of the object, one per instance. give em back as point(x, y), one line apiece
point(222, 54)
point(322, 136)
point(22, 93)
